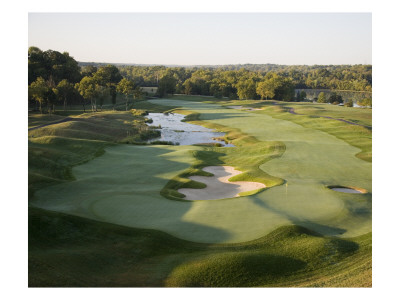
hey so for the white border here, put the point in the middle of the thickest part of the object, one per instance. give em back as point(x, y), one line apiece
point(14, 147)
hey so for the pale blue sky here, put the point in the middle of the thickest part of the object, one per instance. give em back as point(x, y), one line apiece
point(206, 38)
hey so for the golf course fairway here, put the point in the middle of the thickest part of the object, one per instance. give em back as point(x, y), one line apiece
point(123, 185)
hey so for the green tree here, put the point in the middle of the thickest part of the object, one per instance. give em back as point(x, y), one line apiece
point(51, 100)
point(88, 70)
point(42, 91)
point(113, 93)
point(246, 89)
point(365, 102)
point(321, 98)
point(300, 96)
point(89, 90)
point(349, 103)
point(126, 87)
point(64, 90)
point(284, 89)
point(102, 94)
point(166, 84)
point(107, 75)
point(137, 92)
point(266, 89)
point(334, 98)
point(38, 90)
point(188, 87)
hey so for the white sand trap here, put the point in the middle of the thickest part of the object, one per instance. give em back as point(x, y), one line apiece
point(218, 186)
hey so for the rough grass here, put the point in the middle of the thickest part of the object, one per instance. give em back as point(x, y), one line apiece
point(38, 119)
point(68, 251)
point(53, 150)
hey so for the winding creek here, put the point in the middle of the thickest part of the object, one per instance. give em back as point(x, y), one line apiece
point(182, 133)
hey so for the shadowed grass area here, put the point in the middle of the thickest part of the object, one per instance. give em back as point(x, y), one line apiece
point(38, 119)
point(66, 251)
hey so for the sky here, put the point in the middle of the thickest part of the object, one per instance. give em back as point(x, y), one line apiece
point(206, 38)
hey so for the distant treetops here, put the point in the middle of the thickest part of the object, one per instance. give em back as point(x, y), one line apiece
point(56, 78)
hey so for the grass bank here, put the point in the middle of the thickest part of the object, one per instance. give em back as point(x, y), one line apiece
point(69, 251)
point(53, 150)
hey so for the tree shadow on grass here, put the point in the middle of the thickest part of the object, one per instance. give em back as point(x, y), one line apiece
point(123, 186)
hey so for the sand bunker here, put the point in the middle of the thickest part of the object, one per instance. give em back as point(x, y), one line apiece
point(218, 186)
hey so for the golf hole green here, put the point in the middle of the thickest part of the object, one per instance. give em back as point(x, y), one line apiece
point(347, 189)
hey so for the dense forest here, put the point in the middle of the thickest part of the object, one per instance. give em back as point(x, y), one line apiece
point(334, 77)
point(56, 78)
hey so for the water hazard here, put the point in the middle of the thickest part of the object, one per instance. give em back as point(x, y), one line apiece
point(182, 133)
point(347, 189)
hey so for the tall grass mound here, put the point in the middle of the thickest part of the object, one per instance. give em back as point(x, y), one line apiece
point(235, 270)
point(39, 119)
point(53, 150)
point(67, 250)
point(289, 256)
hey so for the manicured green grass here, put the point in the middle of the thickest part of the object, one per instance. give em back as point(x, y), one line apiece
point(354, 135)
point(284, 236)
point(313, 159)
point(362, 116)
point(70, 251)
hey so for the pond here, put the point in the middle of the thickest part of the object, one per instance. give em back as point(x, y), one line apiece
point(242, 107)
point(347, 189)
point(182, 133)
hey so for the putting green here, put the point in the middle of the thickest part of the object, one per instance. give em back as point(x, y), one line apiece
point(123, 186)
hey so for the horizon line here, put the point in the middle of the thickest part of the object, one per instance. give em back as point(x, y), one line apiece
point(229, 64)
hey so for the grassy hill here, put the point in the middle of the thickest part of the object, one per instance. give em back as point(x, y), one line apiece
point(103, 221)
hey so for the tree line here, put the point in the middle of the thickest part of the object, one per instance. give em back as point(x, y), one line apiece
point(333, 77)
point(56, 78)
